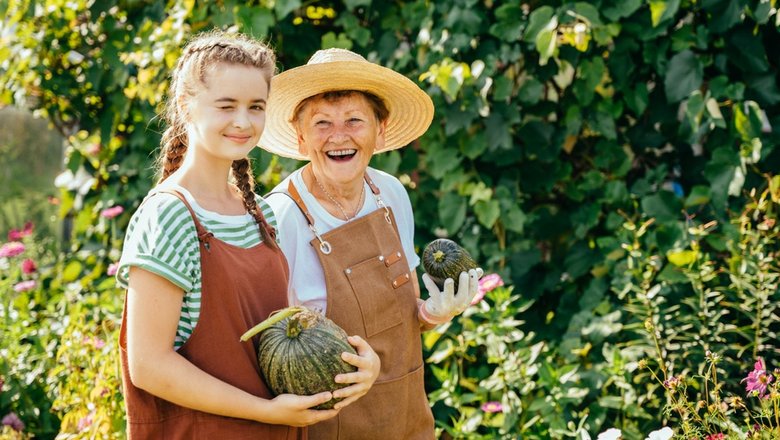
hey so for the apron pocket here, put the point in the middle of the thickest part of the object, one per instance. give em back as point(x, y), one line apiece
point(379, 305)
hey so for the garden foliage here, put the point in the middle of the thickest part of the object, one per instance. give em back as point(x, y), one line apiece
point(611, 160)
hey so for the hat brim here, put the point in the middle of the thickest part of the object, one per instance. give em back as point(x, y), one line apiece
point(410, 108)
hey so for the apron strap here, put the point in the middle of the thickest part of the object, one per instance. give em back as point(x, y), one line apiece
point(374, 188)
point(379, 202)
point(203, 234)
point(296, 196)
point(293, 193)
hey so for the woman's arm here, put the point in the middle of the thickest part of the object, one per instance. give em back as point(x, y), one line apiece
point(153, 308)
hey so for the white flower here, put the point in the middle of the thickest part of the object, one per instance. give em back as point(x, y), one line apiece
point(610, 434)
point(664, 433)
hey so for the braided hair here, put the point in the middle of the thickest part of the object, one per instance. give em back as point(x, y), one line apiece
point(198, 56)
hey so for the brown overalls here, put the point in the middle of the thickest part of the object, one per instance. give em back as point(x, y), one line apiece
point(370, 293)
point(240, 288)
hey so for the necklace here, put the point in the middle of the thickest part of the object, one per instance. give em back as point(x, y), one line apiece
point(338, 205)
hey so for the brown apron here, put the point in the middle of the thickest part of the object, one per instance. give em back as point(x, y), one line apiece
point(240, 288)
point(370, 293)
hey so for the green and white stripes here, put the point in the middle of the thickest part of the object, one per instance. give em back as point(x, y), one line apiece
point(162, 239)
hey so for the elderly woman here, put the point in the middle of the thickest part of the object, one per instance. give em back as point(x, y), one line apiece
point(348, 229)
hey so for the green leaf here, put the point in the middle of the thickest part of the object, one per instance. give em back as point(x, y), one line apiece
point(699, 195)
point(663, 206)
point(673, 275)
point(502, 88)
point(499, 135)
point(255, 21)
point(748, 124)
point(515, 219)
point(683, 76)
point(590, 73)
point(681, 258)
point(720, 172)
point(473, 146)
point(589, 12)
point(530, 92)
point(443, 350)
point(352, 4)
point(340, 41)
point(725, 15)
point(763, 88)
point(662, 10)
point(452, 212)
point(508, 27)
point(487, 212)
point(637, 98)
point(614, 11)
point(746, 51)
point(547, 41)
point(604, 124)
point(72, 271)
point(283, 9)
point(763, 11)
point(538, 19)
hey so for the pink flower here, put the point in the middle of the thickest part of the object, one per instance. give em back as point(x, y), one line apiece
point(24, 286)
point(11, 249)
point(718, 436)
point(85, 422)
point(16, 234)
point(112, 211)
point(12, 420)
point(758, 380)
point(112, 268)
point(486, 284)
point(93, 149)
point(492, 407)
point(28, 266)
point(95, 342)
point(673, 382)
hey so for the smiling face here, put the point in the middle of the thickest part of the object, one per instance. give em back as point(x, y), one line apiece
point(339, 136)
point(227, 115)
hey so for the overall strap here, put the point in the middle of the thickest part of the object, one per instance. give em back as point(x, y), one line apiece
point(379, 202)
point(293, 193)
point(203, 234)
point(374, 188)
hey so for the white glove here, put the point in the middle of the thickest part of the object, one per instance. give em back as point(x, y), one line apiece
point(442, 305)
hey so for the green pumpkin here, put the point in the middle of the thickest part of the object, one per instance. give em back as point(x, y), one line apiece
point(443, 258)
point(299, 353)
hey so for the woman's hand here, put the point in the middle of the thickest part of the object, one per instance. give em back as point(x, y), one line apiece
point(289, 409)
point(443, 305)
point(367, 363)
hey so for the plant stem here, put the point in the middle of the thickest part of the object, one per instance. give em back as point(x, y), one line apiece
point(273, 319)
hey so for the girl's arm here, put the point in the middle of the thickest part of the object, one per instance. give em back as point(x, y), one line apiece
point(153, 308)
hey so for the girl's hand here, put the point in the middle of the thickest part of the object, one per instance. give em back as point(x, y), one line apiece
point(292, 410)
point(367, 363)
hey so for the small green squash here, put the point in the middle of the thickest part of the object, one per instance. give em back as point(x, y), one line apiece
point(443, 258)
point(299, 353)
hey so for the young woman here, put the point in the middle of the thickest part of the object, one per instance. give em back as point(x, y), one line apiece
point(201, 265)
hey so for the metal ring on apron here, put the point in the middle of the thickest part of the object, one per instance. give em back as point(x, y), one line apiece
point(325, 247)
point(381, 204)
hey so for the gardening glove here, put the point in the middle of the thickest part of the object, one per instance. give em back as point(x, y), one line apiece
point(442, 305)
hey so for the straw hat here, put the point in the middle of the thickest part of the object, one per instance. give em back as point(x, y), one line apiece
point(411, 110)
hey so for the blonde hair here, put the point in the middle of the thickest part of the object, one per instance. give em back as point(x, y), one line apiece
point(201, 54)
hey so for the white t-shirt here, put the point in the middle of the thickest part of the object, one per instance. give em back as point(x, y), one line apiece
point(307, 279)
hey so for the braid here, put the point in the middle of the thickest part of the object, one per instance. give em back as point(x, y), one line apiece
point(242, 170)
point(174, 146)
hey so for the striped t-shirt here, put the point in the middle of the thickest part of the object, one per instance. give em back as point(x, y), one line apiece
point(162, 239)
